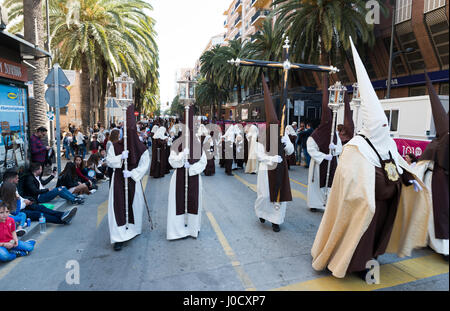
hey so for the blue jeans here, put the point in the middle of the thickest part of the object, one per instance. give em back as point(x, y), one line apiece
point(82, 149)
point(307, 156)
point(69, 151)
point(9, 254)
point(59, 191)
point(20, 218)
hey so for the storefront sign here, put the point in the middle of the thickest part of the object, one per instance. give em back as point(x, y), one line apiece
point(405, 146)
point(12, 70)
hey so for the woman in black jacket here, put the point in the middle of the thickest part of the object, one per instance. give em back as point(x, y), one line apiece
point(69, 179)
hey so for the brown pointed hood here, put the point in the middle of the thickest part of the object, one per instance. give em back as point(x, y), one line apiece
point(322, 133)
point(437, 150)
point(271, 115)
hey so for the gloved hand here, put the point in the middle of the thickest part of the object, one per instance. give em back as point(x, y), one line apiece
point(278, 159)
point(186, 151)
point(416, 185)
point(125, 154)
point(126, 174)
point(187, 165)
point(332, 146)
point(238, 150)
point(328, 157)
point(285, 140)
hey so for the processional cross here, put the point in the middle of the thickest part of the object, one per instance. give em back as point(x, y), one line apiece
point(286, 66)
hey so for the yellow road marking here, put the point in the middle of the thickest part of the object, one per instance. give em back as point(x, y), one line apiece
point(11, 265)
point(102, 209)
point(394, 274)
point(297, 182)
point(295, 193)
point(230, 253)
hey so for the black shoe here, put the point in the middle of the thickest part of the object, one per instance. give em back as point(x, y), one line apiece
point(21, 232)
point(68, 215)
point(313, 210)
point(362, 274)
point(78, 201)
point(118, 246)
point(275, 227)
point(445, 257)
point(262, 220)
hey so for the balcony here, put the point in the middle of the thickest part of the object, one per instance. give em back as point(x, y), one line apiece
point(259, 16)
point(238, 22)
point(261, 3)
point(238, 6)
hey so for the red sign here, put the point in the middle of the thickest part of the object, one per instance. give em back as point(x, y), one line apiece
point(12, 70)
point(136, 113)
point(416, 147)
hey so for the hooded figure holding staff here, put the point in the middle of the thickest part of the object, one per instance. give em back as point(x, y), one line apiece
point(122, 228)
point(376, 204)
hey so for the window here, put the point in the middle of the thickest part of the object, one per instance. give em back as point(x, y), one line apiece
point(403, 12)
point(417, 91)
point(431, 5)
point(444, 89)
point(392, 116)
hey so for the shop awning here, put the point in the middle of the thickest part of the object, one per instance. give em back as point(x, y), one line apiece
point(26, 49)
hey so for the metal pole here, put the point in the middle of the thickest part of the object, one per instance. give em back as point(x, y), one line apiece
point(125, 146)
point(186, 171)
point(58, 128)
point(391, 51)
point(333, 129)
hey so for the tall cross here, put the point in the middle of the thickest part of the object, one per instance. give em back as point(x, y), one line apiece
point(286, 66)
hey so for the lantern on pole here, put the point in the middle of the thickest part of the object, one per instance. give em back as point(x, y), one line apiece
point(356, 104)
point(335, 102)
point(186, 93)
point(124, 97)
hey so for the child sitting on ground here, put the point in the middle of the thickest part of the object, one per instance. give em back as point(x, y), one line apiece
point(10, 246)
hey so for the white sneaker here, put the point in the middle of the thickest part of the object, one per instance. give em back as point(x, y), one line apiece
point(93, 191)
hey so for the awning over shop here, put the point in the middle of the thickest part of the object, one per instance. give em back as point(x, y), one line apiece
point(20, 45)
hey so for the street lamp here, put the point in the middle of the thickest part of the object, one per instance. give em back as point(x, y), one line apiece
point(124, 97)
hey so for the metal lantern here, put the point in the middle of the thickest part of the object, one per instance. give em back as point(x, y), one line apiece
point(124, 97)
point(356, 103)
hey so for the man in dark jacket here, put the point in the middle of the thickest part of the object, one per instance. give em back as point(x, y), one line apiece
point(301, 140)
point(33, 188)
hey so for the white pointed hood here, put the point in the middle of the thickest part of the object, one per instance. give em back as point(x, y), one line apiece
point(375, 125)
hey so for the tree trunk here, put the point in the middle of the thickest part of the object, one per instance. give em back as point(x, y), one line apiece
point(38, 107)
point(85, 97)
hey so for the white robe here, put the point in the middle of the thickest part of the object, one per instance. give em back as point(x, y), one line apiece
point(316, 195)
point(438, 245)
point(176, 228)
point(263, 207)
point(121, 234)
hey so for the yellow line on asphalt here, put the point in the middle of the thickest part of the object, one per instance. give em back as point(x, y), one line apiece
point(248, 285)
point(102, 209)
point(295, 193)
point(394, 274)
point(297, 182)
point(11, 265)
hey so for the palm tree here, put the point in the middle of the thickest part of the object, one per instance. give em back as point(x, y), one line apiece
point(324, 26)
point(208, 94)
point(102, 38)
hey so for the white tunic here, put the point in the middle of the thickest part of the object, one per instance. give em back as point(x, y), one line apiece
point(176, 228)
point(439, 245)
point(121, 234)
point(263, 207)
point(316, 195)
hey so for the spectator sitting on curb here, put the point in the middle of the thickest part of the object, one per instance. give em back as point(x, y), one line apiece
point(33, 187)
point(79, 167)
point(69, 179)
point(32, 210)
point(92, 165)
point(10, 246)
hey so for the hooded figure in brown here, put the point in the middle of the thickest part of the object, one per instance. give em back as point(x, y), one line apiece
point(318, 146)
point(433, 170)
point(138, 158)
point(376, 205)
point(184, 212)
point(273, 185)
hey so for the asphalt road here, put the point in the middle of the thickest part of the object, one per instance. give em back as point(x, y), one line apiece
point(233, 252)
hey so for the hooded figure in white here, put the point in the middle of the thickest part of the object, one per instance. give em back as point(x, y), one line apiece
point(376, 205)
point(252, 163)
